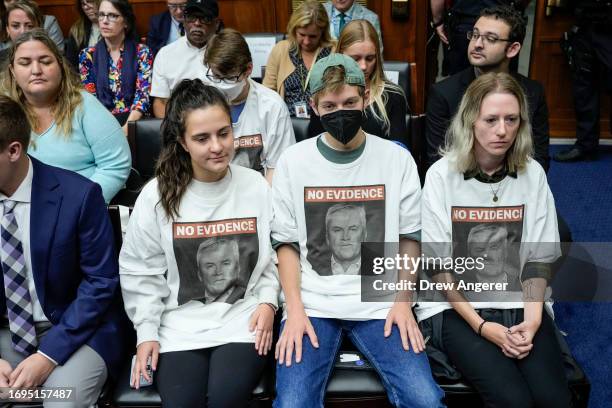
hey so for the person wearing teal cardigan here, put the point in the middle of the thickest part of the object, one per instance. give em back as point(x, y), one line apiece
point(97, 147)
point(71, 129)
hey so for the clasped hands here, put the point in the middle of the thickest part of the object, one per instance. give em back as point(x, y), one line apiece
point(514, 342)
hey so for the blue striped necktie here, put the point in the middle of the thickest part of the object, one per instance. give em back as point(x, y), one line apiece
point(341, 23)
point(18, 301)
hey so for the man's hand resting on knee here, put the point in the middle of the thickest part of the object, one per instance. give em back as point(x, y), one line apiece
point(290, 340)
point(31, 372)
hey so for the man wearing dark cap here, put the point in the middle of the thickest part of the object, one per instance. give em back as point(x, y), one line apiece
point(184, 58)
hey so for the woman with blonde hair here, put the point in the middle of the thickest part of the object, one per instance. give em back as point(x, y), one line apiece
point(70, 128)
point(385, 115)
point(308, 40)
point(487, 198)
point(85, 32)
point(21, 16)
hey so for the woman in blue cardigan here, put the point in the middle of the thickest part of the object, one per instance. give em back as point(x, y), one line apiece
point(70, 128)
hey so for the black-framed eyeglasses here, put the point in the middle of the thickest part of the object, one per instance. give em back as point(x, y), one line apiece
point(180, 6)
point(230, 80)
point(191, 18)
point(112, 17)
point(488, 38)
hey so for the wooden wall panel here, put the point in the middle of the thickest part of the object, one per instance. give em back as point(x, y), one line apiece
point(404, 38)
point(548, 66)
point(249, 16)
point(283, 12)
point(64, 10)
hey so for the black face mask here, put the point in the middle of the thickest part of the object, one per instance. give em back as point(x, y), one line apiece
point(342, 124)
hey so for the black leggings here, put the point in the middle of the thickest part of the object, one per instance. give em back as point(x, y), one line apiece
point(222, 376)
point(538, 380)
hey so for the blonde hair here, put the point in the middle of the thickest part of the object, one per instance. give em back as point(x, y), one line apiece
point(309, 12)
point(362, 31)
point(29, 8)
point(68, 97)
point(79, 28)
point(459, 147)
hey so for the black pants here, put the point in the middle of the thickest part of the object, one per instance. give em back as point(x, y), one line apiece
point(538, 380)
point(223, 376)
point(593, 74)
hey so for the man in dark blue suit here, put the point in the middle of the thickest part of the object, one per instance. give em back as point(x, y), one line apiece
point(166, 27)
point(63, 323)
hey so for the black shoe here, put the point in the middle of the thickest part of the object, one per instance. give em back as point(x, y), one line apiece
point(574, 154)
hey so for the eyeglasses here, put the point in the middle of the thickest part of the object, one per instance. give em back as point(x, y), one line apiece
point(488, 38)
point(190, 18)
point(181, 6)
point(230, 80)
point(112, 17)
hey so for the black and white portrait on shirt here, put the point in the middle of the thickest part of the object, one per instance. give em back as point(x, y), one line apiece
point(248, 152)
point(215, 259)
point(338, 220)
point(494, 235)
point(345, 230)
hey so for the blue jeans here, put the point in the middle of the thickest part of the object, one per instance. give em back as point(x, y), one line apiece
point(405, 375)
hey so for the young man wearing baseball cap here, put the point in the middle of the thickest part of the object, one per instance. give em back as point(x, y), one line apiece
point(346, 166)
point(184, 58)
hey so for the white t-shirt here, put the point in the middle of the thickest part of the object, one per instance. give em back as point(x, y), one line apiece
point(263, 130)
point(316, 201)
point(194, 282)
point(174, 62)
point(461, 214)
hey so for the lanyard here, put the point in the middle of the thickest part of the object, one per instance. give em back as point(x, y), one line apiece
point(305, 78)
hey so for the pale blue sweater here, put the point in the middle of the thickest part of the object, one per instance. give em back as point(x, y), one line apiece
point(97, 147)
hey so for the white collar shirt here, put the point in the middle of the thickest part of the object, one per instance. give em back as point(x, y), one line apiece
point(23, 197)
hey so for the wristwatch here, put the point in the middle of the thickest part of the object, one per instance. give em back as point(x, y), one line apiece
point(436, 25)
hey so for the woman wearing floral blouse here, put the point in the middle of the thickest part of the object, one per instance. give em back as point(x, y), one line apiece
point(118, 70)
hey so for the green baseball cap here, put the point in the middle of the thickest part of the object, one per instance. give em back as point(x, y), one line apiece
point(353, 74)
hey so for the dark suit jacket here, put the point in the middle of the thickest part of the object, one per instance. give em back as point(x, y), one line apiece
point(444, 99)
point(74, 265)
point(159, 30)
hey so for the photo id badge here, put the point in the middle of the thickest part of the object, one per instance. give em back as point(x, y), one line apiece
point(301, 110)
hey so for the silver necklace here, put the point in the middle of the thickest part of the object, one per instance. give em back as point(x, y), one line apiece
point(495, 197)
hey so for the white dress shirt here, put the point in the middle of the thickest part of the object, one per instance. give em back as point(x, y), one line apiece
point(175, 31)
point(23, 196)
point(354, 268)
